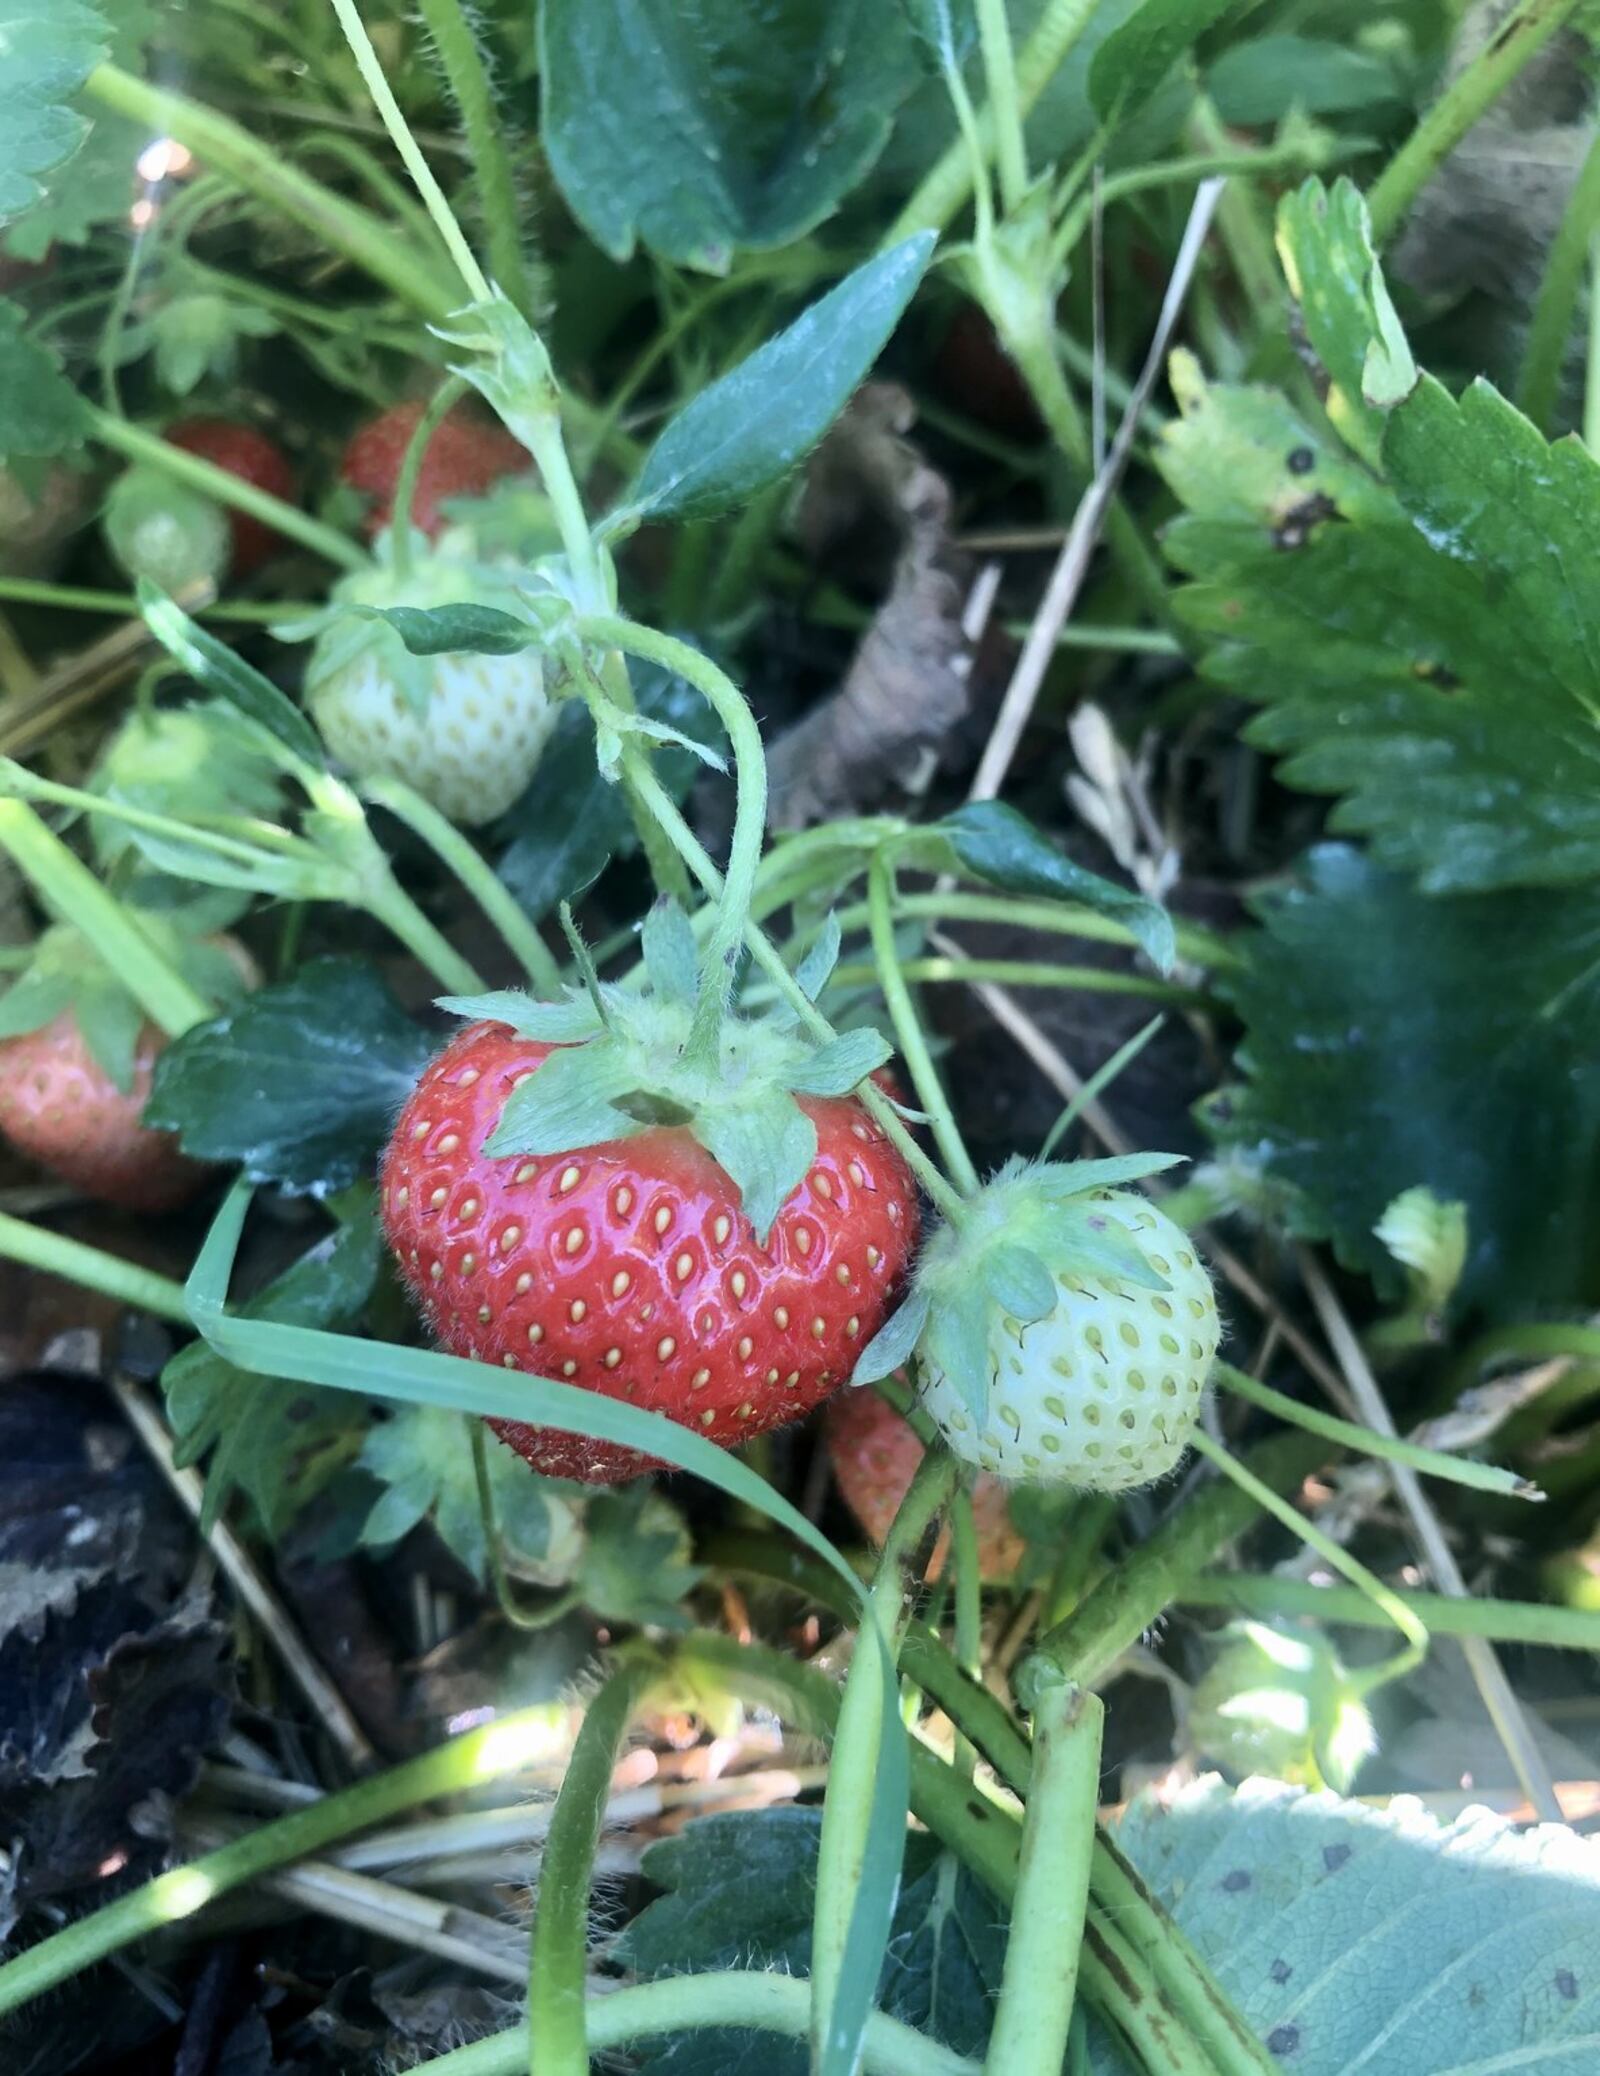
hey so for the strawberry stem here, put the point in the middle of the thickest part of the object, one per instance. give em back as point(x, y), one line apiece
point(411, 157)
point(1038, 1985)
point(440, 404)
point(470, 867)
point(908, 1026)
point(666, 867)
point(528, 1620)
point(70, 890)
point(93, 1269)
point(557, 2032)
point(750, 814)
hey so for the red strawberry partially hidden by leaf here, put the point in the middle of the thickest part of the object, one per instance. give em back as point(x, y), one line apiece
point(875, 1454)
point(467, 455)
point(629, 1266)
point(254, 459)
point(61, 1108)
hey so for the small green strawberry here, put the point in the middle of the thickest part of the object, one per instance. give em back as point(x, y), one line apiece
point(1064, 1334)
point(466, 730)
point(162, 530)
point(1280, 1702)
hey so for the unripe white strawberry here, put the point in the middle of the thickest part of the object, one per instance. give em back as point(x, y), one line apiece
point(465, 730)
point(1065, 1334)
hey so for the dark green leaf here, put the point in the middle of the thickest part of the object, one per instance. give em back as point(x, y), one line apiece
point(765, 1147)
point(41, 413)
point(713, 128)
point(1259, 81)
point(475, 630)
point(1431, 653)
point(278, 1443)
point(842, 1064)
point(570, 822)
point(891, 1346)
point(1134, 60)
point(1394, 1040)
point(993, 843)
point(671, 956)
point(300, 1084)
point(739, 1892)
point(755, 424)
point(215, 666)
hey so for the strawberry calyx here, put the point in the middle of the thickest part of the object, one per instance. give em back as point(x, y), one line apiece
point(1033, 1226)
point(625, 1066)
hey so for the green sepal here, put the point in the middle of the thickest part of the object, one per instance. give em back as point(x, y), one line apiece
point(811, 975)
point(566, 1022)
point(34, 999)
point(765, 1147)
point(1018, 1282)
point(110, 1020)
point(570, 1102)
point(1073, 1178)
point(957, 1340)
point(1094, 1246)
point(671, 956)
point(893, 1345)
point(841, 1064)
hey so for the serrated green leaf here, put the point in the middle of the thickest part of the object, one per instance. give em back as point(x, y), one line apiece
point(765, 1148)
point(1135, 58)
point(636, 1561)
point(758, 422)
point(49, 53)
point(1325, 240)
point(41, 414)
point(571, 1101)
point(1393, 1040)
point(1015, 1279)
point(215, 666)
point(671, 956)
point(451, 630)
point(995, 844)
point(891, 1347)
point(422, 1455)
point(719, 128)
point(842, 1063)
point(300, 1084)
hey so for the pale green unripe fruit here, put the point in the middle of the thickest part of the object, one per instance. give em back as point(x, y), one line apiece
point(164, 531)
point(1101, 1392)
point(1280, 1702)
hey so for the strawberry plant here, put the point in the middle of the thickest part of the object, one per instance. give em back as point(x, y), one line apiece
point(780, 1284)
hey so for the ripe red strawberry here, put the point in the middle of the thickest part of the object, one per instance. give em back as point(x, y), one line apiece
point(61, 1108)
point(253, 458)
point(466, 456)
point(629, 1267)
point(875, 1453)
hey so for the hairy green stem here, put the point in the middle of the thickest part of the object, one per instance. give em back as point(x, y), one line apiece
point(770, 960)
point(473, 870)
point(1133, 1595)
point(1366, 1441)
point(433, 196)
point(1550, 333)
point(227, 147)
point(557, 2031)
point(1591, 374)
point(71, 891)
point(439, 406)
point(965, 1562)
point(891, 978)
point(93, 1269)
point(1517, 38)
point(1197, 947)
point(1031, 973)
point(73, 598)
point(750, 815)
point(468, 77)
point(858, 1739)
point(946, 187)
point(1040, 1978)
point(1004, 106)
point(745, 1997)
point(1414, 1632)
point(500, 1748)
point(394, 908)
point(140, 445)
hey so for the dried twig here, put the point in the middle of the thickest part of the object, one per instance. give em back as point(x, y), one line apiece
point(254, 1593)
point(1066, 580)
point(1505, 1711)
